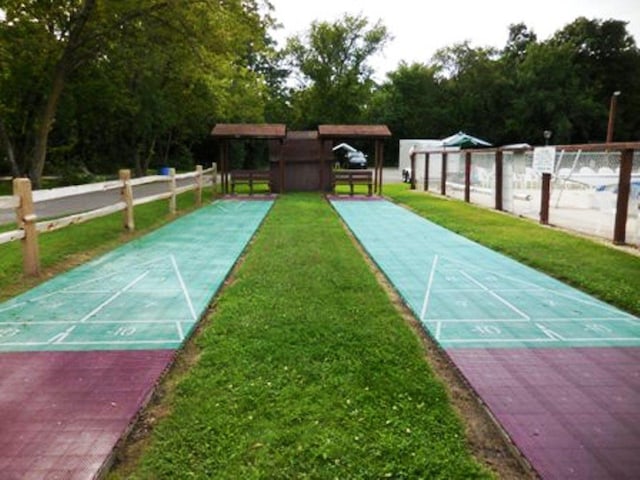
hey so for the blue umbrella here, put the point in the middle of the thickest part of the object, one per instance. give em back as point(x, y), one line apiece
point(464, 140)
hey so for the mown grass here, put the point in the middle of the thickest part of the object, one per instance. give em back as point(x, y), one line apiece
point(70, 246)
point(306, 370)
point(609, 274)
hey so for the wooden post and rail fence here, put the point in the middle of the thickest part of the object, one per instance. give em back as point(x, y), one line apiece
point(28, 226)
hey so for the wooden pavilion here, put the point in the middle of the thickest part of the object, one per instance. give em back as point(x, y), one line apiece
point(300, 160)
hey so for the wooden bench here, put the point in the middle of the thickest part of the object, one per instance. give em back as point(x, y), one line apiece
point(351, 178)
point(250, 177)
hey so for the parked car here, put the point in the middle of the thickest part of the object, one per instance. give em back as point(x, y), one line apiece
point(353, 159)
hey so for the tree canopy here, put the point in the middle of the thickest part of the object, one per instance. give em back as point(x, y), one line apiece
point(94, 86)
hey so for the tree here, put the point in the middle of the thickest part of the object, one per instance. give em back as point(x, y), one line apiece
point(136, 70)
point(607, 59)
point(476, 89)
point(411, 101)
point(330, 64)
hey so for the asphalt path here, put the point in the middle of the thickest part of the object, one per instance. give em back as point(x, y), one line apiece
point(91, 201)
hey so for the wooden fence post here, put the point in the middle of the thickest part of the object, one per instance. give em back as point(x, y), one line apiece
point(199, 185)
point(426, 172)
point(26, 220)
point(544, 198)
point(499, 173)
point(412, 178)
point(467, 177)
point(443, 173)
point(172, 187)
point(126, 194)
point(622, 201)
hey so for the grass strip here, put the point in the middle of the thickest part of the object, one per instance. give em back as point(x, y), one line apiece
point(609, 274)
point(306, 370)
point(70, 246)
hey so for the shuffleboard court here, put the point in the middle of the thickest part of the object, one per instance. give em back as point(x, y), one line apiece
point(557, 368)
point(81, 353)
point(147, 294)
point(467, 295)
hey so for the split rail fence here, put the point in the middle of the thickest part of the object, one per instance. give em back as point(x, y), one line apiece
point(594, 188)
point(28, 226)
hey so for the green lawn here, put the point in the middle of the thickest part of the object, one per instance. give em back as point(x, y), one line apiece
point(306, 370)
point(609, 274)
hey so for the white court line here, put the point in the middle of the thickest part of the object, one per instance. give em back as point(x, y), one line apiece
point(507, 303)
point(96, 342)
point(26, 323)
point(120, 342)
point(427, 294)
point(61, 336)
point(550, 333)
point(113, 297)
point(540, 340)
point(496, 340)
point(541, 288)
point(17, 305)
point(438, 330)
point(476, 320)
point(180, 331)
point(184, 288)
point(603, 306)
point(91, 280)
point(524, 320)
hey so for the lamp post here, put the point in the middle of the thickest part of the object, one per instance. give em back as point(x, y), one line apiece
point(612, 115)
point(547, 135)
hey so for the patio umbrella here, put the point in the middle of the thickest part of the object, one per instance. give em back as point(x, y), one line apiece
point(464, 140)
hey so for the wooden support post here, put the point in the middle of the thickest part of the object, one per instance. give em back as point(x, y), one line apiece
point(199, 185)
point(467, 177)
point(224, 166)
point(172, 188)
point(412, 180)
point(321, 173)
point(375, 167)
point(544, 198)
point(126, 194)
point(26, 220)
point(622, 205)
point(381, 154)
point(214, 179)
point(443, 172)
point(499, 179)
point(281, 163)
point(426, 172)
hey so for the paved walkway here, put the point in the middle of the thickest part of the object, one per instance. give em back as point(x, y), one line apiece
point(81, 353)
point(560, 370)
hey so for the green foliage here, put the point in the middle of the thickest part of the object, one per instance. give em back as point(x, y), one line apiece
point(129, 84)
point(604, 272)
point(331, 65)
point(306, 371)
point(563, 84)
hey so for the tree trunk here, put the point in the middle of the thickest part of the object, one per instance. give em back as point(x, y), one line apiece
point(150, 153)
point(46, 115)
point(4, 137)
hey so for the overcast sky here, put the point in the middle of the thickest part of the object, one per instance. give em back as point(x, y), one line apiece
point(419, 28)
